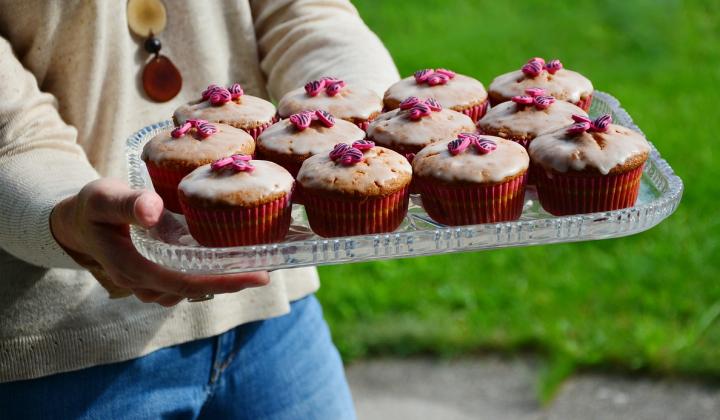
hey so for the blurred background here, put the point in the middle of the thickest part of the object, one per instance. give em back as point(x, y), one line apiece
point(648, 303)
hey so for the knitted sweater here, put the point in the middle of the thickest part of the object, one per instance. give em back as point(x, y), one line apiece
point(70, 96)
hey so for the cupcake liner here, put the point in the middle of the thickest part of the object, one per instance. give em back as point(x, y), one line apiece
point(239, 226)
point(363, 125)
point(470, 205)
point(165, 181)
point(562, 194)
point(585, 103)
point(477, 111)
point(256, 131)
point(330, 217)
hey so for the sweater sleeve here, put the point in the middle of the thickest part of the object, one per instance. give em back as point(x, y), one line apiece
point(300, 40)
point(40, 164)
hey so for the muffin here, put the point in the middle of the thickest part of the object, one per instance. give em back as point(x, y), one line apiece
point(558, 82)
point(237, 201)
point(455, 91)
point(355, 189)
point(353, 103)
point(290, 141)
point(588, 167)
point(229, 106)
point(524, 117)
point(472, 179)
point(416, 124)
point(171, 155)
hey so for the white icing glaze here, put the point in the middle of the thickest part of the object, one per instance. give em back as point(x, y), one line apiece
point(227, 141)
point(396, 128)
point(565, 85)
point(459, 92)
point(528, 121)
point(382, 171)
point(351, 102)
point(282, 137)
point(246, 189)
point(601, 151)
point(435, 161)
point(248, 112)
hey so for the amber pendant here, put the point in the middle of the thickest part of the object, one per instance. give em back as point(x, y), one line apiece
point(161, 79)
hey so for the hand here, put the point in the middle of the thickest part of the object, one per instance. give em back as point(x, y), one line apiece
point(94, 227)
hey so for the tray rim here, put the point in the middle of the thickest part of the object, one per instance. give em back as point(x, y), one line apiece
point(142, 240)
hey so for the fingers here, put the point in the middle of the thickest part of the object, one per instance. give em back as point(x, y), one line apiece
point(114, 202)
point(163, 299)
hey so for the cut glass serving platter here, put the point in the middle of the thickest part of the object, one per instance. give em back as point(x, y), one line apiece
point(170, 244)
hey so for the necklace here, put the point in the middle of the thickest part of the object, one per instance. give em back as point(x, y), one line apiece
point(161, 80)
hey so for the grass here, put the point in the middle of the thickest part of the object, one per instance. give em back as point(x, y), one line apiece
point(649, 302)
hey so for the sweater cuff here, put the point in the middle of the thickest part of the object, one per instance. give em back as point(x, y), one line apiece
point(28, 195)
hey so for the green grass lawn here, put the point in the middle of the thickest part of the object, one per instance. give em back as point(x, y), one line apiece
point(649, 302)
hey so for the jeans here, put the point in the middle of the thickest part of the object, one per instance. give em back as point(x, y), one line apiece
point(280, 368)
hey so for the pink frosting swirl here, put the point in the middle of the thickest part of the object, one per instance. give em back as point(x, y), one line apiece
point(218, 95)
point(418, 108)
point(583, 124)
point(203, 129)
point(536, 97)
point(238, 163)
point(433, 77)
point(348, 155)
point(409, 102)
point(535, 66)
point(331, 85)
point(303, 120)
point(481, 144)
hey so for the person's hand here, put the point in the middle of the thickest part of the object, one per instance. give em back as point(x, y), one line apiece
point(93, 226)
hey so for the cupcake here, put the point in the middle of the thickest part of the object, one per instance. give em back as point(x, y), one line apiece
point(237, 201)
point(524, 117)
point(355, 189)
point(589, 166)
point(352, 103)
point(229, 106)
point(289, 142)
point(472, 179)
point(416, 124)
point(455, 91)
point(558, 82)
point(171, 155)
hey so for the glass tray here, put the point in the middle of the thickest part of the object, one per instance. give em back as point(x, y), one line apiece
point(170, 244)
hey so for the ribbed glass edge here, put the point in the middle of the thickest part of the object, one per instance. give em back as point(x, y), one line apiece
point(589, 226)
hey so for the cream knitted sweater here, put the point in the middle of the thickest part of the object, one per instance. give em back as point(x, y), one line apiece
point(70, 96)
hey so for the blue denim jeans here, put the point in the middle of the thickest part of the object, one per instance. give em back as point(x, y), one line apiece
point(281, 368)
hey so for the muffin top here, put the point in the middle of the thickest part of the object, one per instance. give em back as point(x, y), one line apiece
point(451, 90)
point(596, 146)
point(349, 103)
point(236, 181)
point(196, 142)
point(358, 170)
point(227, 105)
point(418, 123)
point(305, 134)
point(563, 84)
point(472, 158)
point(525, 117)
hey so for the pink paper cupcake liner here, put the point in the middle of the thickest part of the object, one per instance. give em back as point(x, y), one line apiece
point(476, 112)
point(256, 131)
point(470, 205)
point(562, 194)
point(585, 103)
point(363, 125)
point(165, 181)
point(222, 227)
point(330, 217)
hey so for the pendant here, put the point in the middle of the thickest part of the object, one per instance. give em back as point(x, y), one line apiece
point(161, 79)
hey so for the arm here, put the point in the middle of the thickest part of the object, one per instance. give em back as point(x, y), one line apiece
point(51, 201)
point(306, 39)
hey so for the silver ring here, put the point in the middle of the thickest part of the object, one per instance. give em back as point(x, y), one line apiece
point(201, 298)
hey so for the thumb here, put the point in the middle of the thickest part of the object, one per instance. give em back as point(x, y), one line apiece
point(114, 202)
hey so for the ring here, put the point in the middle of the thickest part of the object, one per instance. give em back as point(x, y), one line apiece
point(201, 298)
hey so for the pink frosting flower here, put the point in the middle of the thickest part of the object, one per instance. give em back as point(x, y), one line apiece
point(535, 66)
point(481, 144)
point(419, 108)
point(331, 85)
point(584, 124)
point(218, 95)
point(348, 155)
point(238, 163)
point(203, 129)
point(433, 77)
point(303, 120)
